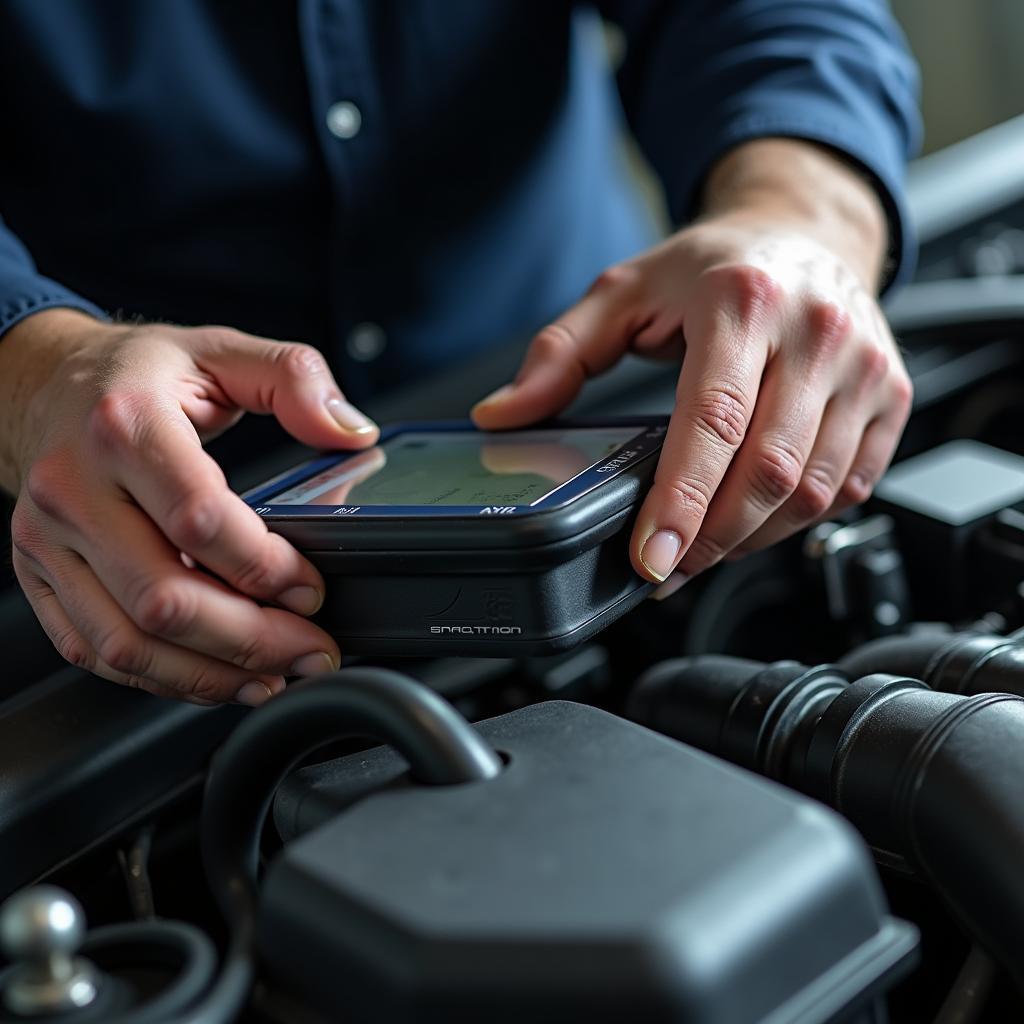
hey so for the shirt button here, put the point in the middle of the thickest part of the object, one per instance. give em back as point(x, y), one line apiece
point(366, 342)
point(344, 120)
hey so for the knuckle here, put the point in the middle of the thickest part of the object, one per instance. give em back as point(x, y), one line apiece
point(115, 419)
point(201, 684)
point(300, 361)
point(902, 392)
point(815, 494)
point(619, 276)
point(556, 339)
point(256, 576)
point(195, 521)
point(252, 654)
point(161, 608)
point(752, 292)
point(720, 413)
point(874, 364)
point(556, 343)
point(123, 653)
point(25, 533)
point(72, 648)
point(24, 573)
point(857, 488)
point(776, 472)
point(829, 326)
point(688, 497)
point(218, 336)
point(48, 485)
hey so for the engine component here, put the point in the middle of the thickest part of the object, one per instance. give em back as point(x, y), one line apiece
point(605, 875)
point(439, 745)
point(150, 972)
point(965, 662)
point(946, 505)
point(930, 779)
point(41, 929)
point(862, 571)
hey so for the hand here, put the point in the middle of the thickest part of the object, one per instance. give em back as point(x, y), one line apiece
point(118, 505)
point(792, 394)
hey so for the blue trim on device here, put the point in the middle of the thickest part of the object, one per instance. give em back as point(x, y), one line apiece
point(650, 434)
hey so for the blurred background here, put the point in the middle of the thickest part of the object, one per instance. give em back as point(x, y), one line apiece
point(970, 55)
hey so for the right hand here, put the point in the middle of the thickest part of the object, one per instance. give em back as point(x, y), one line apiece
point(118, 506)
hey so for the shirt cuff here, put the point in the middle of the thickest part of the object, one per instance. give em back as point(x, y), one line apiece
point(866, 152)
point(25, 294)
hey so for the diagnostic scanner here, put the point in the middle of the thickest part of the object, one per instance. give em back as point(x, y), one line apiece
point(444, 539)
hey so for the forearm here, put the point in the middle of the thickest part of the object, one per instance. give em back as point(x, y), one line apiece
point(804, 185)
point(29, 353)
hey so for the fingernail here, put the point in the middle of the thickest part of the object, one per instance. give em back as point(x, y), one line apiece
point(661, 552)
point(254, 694)
point(301, 600)
point(669, 587)
point(496, 396)
point(348, 417)
point(314, 664)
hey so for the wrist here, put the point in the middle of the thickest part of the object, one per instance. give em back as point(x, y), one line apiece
point(30, 354)
point(802, 186)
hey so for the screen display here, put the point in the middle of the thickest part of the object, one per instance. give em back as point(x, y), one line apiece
point(460, 468)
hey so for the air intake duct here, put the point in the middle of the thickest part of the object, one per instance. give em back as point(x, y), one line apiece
point(932, 780)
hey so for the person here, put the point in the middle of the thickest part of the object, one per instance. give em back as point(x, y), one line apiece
point(365, 190)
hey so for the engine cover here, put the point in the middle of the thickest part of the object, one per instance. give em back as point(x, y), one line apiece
point(608, 874)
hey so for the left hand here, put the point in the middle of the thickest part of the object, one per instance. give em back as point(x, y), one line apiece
point(792, 395)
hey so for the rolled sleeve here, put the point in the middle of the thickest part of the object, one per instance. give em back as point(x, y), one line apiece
point(24, 291)
point(700, 78)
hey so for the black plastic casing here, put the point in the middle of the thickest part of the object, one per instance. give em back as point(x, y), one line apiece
point(608, 874)
point(536, 582)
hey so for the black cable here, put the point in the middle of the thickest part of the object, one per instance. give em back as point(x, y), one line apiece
point(440, 746)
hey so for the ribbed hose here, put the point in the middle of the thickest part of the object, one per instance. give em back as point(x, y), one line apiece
point(966, 662)
point(932, 778)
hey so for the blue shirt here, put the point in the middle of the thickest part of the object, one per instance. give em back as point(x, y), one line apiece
point(449, 171)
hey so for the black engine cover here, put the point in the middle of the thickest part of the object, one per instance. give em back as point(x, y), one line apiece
point(608, 874)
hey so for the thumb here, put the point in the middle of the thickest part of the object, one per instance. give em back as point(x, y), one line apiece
point(289, 380)
point(583, 342)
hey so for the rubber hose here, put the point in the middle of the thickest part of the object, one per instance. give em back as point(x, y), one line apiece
point(932, 778)
point(966, 662)
point(440, 746)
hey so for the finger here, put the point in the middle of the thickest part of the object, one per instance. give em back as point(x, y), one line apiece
point(155, 455)
point(715, 398)
point(660, 343)
point(827, 467)
point(772, 465)
point(106, 643)
point(583, 342)
point(876, 451)
point(144, 574)
point(291, 381)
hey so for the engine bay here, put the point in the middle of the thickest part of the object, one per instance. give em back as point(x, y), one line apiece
point(788, 792)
